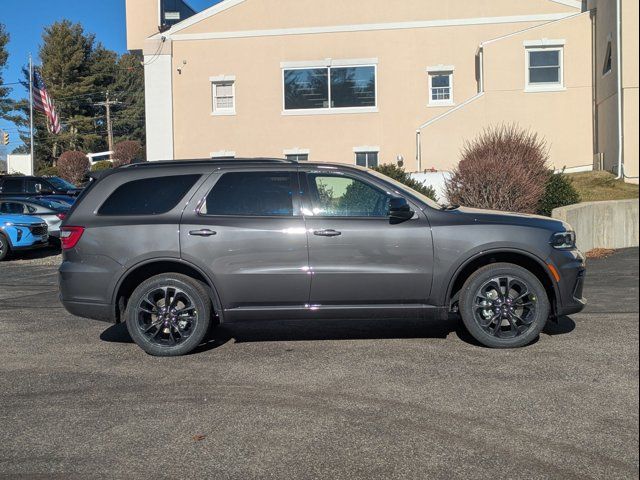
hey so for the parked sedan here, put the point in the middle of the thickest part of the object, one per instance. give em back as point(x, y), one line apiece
point(21, 232)
point(50, 211)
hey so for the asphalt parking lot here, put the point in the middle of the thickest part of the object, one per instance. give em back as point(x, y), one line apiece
point(325, 400)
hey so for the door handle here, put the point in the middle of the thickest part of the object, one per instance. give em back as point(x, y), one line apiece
point(205, 232)
point(327, 233)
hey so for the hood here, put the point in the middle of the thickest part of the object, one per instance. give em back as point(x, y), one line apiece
point(22, 219)
point(510, 218)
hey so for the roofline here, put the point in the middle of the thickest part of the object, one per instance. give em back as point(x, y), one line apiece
point(202, 15)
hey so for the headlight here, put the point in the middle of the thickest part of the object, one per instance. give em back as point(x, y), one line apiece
point(564, 240)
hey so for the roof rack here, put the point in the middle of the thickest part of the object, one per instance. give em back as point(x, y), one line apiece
point(214, 161)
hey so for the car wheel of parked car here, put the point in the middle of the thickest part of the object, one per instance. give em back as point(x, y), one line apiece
point(504, 306)
point(4, 247)
point(169, 314)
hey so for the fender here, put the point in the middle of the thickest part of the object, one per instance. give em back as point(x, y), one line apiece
point(483, 253)
point(213, 292)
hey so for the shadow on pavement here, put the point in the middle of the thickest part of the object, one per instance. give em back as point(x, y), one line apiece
point(317, 330)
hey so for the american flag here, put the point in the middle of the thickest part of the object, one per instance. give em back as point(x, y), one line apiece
point(43, 103)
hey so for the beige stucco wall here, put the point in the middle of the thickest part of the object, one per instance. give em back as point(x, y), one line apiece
point(260, 128)
point(563, 118)
point(269, 14)
point(142, 21)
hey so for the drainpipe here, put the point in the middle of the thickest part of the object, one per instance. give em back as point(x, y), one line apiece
point(419, 150)
point(481, 69)
point(619, 73)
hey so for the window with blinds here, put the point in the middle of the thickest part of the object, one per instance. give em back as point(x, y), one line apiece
point(224, 101)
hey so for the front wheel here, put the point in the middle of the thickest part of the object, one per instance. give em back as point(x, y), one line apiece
point(169, 314)
point(504, 306)
point(4, 247)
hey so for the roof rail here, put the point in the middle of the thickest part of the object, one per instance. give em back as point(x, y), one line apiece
point(211, 161)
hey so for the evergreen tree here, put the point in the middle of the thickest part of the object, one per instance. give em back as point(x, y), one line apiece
point(128, 120)
point(6, 105)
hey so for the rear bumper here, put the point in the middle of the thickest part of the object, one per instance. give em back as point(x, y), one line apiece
point(95, 311)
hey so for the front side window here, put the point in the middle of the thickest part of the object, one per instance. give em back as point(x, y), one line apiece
point(13, 208)
point(544, 68)
point(338, 196)
point(224, 97)
point(441, 88)
point(148, 196)
point(260, 194)
point(367, 159)
point(329, 88)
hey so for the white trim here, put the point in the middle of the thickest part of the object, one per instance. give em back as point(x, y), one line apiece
point(296, 151)
point(222, 78)
point(330, 111)
point(198, 17)
point(544, 42)
point(365, 27)
point(158, 95)
point(441, 68)
point(450, 111)
point(330, 62)
point(222, 154)
point(544, 87)
point(569, 3)
point(367, 149)
point(441, 103)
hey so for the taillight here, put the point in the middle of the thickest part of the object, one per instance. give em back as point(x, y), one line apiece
point(61, 216)
point(69, 236)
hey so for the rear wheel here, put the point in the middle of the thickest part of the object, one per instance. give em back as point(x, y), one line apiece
point(4, 247)
point(504, 306)
point(169, 314)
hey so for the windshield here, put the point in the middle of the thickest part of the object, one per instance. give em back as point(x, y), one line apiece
point(61, 184)
point(403, 187)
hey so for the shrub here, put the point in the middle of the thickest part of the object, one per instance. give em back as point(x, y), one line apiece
point(48, 171)
point(73, 166)
point(559, 192)
point(126, 152)
point(101, 165)
point(504, 168)
point(397, 173)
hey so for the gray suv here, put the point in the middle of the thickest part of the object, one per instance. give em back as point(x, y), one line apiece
point(175, 248)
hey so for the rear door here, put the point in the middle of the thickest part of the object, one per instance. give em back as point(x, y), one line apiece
point(356, 255)
point(12, 185)
point(247, 231)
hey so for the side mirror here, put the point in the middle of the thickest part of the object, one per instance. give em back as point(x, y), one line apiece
point(399, 210)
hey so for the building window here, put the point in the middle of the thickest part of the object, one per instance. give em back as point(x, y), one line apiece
point(367, 159)
point(607, 58)
point(329, 89)
point(297, 157)
point(544, 69)
point(440, 88)
point(224, 95)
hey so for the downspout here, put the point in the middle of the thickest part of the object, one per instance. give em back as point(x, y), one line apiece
point(594, 85)
point(619, 73)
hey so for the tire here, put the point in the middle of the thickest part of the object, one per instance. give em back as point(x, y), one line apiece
point(4, 247)
point(501, 317)
point(153, 315)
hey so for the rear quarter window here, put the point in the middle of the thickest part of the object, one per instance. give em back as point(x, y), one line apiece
point(148, 196)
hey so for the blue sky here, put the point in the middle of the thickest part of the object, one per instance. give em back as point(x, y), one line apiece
point(25, 20)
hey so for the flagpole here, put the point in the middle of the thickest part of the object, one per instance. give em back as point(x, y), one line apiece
point(33, 160)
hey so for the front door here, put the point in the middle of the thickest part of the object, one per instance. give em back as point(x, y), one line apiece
point(356, 256)
point(249, 235)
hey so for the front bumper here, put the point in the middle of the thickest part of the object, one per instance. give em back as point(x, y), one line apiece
point(571, 267)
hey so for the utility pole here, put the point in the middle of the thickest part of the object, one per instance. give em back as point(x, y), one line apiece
point(107, 105)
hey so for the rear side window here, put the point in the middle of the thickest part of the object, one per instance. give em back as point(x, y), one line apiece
point(12, 185)
point(148, 196)
point(257, 194)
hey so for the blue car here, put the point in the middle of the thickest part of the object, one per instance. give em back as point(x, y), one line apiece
point(20, 232)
